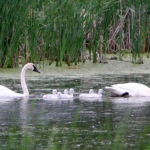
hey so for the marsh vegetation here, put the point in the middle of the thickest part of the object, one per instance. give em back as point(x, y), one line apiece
point(72, 31)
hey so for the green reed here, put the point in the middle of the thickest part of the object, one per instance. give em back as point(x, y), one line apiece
point(56, 30)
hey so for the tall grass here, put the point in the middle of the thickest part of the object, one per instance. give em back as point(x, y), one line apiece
point(56, 30)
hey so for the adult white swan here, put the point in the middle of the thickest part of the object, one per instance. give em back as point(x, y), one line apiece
point(129, 89)
point(7, 93)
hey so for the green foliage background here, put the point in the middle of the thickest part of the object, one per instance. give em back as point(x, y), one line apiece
point(52, 30)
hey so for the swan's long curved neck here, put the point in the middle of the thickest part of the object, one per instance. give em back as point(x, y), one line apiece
point(23, 82)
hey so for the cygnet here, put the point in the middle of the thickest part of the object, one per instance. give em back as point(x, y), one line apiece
point(67, 94)
point(91, 94)
point(53, 96)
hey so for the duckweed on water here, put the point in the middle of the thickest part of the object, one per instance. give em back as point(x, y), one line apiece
point(113, 67)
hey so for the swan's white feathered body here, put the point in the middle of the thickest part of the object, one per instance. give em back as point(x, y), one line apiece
point(129, 89)
point(7, 93)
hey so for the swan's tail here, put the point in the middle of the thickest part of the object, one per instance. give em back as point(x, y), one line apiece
point(109, 88)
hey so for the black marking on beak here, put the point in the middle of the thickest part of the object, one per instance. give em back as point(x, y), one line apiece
point(35, 69)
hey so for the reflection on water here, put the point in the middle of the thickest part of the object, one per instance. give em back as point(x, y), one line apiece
point(74, 124)
point(131, 101)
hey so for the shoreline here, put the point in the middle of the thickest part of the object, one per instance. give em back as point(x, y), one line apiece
point(88, 69)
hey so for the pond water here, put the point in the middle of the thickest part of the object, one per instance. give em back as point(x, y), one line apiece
point(106, 123)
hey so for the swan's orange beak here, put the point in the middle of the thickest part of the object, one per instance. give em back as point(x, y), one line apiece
point(35, 69)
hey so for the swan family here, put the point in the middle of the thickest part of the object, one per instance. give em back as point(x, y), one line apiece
point(125, 89)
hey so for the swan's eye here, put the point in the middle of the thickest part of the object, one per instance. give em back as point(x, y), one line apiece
point(35, 69)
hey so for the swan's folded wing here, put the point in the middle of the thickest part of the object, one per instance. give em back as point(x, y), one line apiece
point(4, 89)
point(116, 91)
point(6, 92)
point(134, 89)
